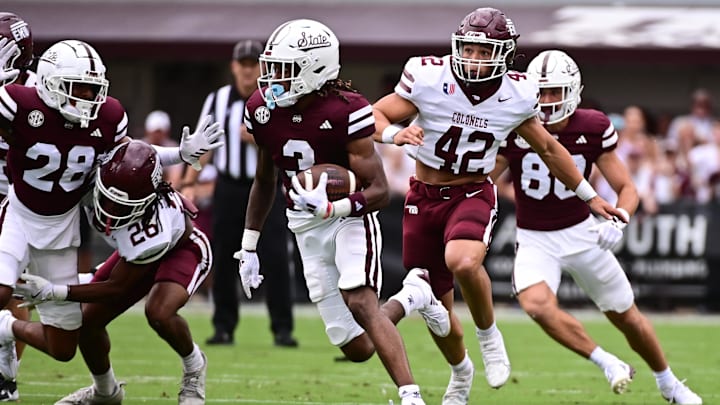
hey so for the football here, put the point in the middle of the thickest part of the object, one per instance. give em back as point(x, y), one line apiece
point(341, 182)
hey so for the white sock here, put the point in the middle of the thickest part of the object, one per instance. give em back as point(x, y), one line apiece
point(105, 384)
point(464, 366)
point(193, 361)
point(602, 359)
point(409, 391)
point(665, 378)
point(485, 333)
point(410, 298)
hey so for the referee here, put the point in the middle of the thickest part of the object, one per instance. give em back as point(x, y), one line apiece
point(235, 163)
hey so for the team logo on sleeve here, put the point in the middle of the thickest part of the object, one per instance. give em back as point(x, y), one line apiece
point(36, 118)
point(262, 115)
point(449, 88)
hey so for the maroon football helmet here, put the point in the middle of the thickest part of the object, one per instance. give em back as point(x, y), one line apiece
point(125, 185)
point(490, 28)
point(13, 27)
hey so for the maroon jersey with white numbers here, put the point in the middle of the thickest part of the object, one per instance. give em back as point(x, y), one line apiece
point(318, 134)
point(543, 203)
point(50, 159)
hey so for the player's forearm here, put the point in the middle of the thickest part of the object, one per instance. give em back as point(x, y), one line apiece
point(96, 292)
point(628, 198)
point(562, 166)
point(262, 195)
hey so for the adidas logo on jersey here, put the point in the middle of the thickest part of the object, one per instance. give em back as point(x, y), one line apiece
point(96, 133)
point(325, 125)
point(581, 139)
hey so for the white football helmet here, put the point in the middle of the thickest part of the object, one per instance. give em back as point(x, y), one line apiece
point(64, 65)
point(555, 69)
point(299, 58)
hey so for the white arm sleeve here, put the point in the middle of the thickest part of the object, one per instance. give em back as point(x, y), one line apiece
point(168, 155)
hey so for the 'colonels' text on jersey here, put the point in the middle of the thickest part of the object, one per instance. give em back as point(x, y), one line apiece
point(542, 201)
point(318, 134)
point(50, 158)
point(463, 130)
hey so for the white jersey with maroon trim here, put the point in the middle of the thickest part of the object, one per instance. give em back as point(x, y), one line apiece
point(463, 131)
point(145, 244)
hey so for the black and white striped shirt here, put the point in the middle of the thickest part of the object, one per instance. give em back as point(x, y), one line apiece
point(235, 159)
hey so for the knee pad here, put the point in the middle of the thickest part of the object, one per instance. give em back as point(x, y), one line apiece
point(340, 326)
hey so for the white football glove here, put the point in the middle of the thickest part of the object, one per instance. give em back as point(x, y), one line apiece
point(314, 201)
point(249, 270)
point(204, 139)
point(610, 232)
point(8, 50)
point(36, 290)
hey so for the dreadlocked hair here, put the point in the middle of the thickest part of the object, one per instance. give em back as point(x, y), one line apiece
point(336, 86)
point(162, 192)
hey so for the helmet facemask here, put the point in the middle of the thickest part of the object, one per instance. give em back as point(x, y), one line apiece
point(469, 69)
point(114, 209)
point(73, 108)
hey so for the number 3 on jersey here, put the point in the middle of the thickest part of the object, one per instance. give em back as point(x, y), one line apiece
point(537, 181)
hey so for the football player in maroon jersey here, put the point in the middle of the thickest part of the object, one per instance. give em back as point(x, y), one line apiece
point(159, 253)
point(300, 116)
point(463, 105)
point(12, 27)
point(556, 231)
point(56, 132)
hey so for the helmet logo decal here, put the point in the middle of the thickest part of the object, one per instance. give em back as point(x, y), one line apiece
point(20, 30)
point(36, 118)
point(310, 41)
point(262, 114)
point(511, 27)
point(50, 56)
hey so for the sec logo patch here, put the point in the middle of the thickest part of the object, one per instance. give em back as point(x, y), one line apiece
point(36, 118)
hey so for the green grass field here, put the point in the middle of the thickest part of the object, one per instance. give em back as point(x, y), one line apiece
point(254, 372)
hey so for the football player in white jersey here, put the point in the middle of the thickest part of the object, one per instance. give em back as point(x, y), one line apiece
point(159, 253)
point(465, 104)
point(556, 231)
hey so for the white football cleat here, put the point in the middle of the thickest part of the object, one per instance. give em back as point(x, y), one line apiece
point(679, 393)
point(458, 390)
point(88, 396)
point(192, 389)
point(495, 359)
point(433, 312)
point(619, 375)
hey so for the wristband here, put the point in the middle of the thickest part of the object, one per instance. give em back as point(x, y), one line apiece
point(352, 206)
point(250, 240)
point(388, 134)
point(585, 191)
point(60, 292)
point(626, 215)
